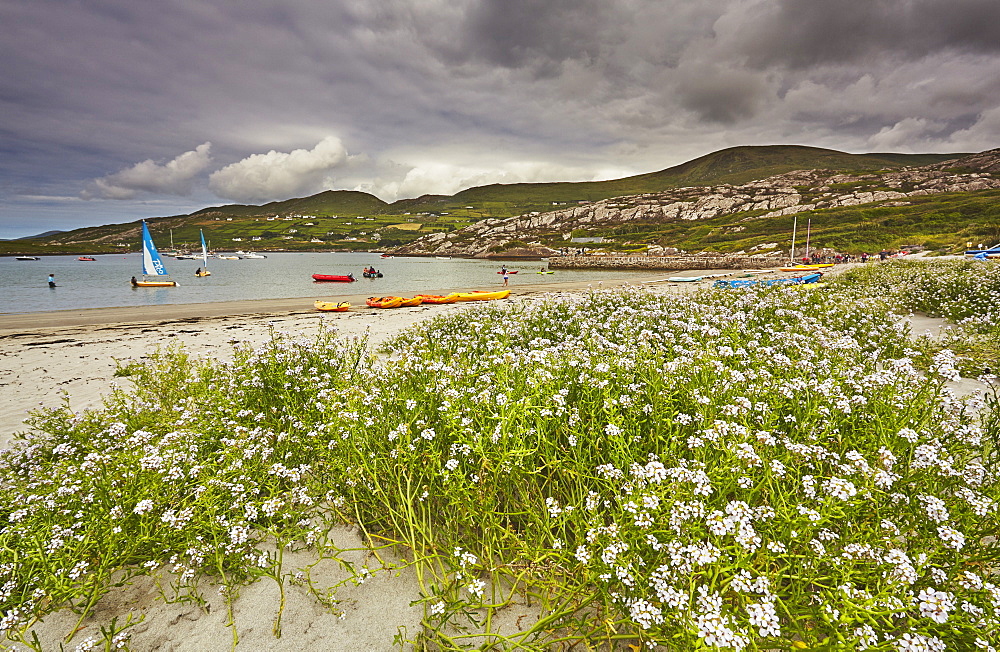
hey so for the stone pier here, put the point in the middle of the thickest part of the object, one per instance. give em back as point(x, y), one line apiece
point(666, 262)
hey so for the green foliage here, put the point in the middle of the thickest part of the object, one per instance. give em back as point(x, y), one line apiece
point(336, 214)
point(753, 469)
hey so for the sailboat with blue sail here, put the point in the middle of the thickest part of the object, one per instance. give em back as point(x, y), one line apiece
point(152, 264)
point(203, 270)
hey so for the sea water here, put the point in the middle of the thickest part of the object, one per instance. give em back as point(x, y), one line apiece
point(104, 282)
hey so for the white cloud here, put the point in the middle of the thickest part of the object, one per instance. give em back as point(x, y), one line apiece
point(430, 178)
point(173, 178)
point(280, 175)
point(907, 135)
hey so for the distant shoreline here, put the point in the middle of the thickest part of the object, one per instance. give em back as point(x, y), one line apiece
point(11, 323)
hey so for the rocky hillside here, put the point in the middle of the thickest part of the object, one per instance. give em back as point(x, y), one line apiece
point(777, 196)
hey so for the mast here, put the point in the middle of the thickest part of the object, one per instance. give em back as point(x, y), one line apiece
point(795, 226)
point(808, 230)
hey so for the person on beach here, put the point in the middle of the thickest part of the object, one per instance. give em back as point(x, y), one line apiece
point(52, 280)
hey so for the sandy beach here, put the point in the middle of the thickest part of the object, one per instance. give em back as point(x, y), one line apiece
point(49, 358)
point(71, 356)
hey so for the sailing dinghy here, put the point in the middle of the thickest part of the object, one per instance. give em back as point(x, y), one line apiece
point(203, 270)
point(152, 264)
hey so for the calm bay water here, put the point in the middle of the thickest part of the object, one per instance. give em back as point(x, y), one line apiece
point(105, 282)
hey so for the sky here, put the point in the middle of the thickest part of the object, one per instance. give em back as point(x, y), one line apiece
point(114, 110)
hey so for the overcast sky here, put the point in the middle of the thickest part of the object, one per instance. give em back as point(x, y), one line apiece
point(112, 110)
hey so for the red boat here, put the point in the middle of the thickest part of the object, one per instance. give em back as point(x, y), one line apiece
point(509, 271)
point(336, 278)
point(86, 258)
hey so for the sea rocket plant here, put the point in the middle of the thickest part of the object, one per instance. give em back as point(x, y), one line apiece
point(737, 470)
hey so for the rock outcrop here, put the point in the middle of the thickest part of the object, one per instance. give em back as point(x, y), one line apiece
point(776, 196)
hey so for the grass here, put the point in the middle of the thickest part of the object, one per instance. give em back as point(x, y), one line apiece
point(752, 469)
point(337, 212)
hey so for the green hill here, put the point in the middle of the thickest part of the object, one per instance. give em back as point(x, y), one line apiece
point(346, 220)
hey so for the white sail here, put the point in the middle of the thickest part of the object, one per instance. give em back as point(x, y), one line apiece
point(152, 264)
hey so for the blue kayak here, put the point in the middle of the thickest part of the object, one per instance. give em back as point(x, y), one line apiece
point(743, 283)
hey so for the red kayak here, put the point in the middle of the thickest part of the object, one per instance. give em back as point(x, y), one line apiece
point(509, 271)
point(336, 278)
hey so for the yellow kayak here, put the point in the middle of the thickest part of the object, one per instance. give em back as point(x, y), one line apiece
point(333, 306)
point(480, 295)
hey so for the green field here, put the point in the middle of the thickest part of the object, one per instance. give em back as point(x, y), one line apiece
point(351, 220)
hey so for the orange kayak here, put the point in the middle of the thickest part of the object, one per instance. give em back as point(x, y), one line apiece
point(384, 302)
point(408, 303)
point(437, 298)
point(333, 306)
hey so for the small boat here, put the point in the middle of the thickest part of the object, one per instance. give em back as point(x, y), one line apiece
point(203, 271)
point(437, 298)
point(370, 275)
point(386, 256)
point(982, 254)
point(384, 302)
point(333, 306)
point(87, 258)
point(411, 302)
point(443, 257)
point(27, 258)
point(185, 257)
point(480, 295)
point(152, 264)
point(334, 278)
point(509, 271)
point(545, 272)
point(684, 279)
point(253, 255)
point(222, 257)
point(795, 280)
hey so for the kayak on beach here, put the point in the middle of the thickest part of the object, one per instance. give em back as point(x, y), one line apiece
point(795, 280)
point(384, 302)
point(333, 306)
point(480, 295)
point(437, 298)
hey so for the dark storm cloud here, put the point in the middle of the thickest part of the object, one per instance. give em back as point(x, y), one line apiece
point(114, 98)
point(516, 33)
point(803, 33)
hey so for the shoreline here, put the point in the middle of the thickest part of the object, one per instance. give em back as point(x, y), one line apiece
point(69, 357)
point(15, 322)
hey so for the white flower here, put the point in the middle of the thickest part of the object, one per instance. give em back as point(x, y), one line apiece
point(476, 588)
point(645, 614)
point(951, 537)
point(143, 506)
point(935, 604)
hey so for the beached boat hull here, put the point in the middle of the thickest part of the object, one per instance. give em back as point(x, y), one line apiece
point(384, 302)
point(333, 278)
point(795, 280)
point(411, 302)
point(332, 306)
point(437, 298)
point(480, 295)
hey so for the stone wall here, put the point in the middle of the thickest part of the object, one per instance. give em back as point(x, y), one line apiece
point(666, 262)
